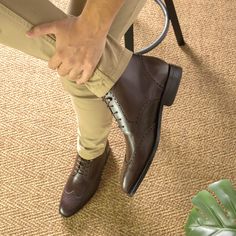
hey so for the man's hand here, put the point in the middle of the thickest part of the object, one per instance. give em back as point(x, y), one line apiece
point(79, 46)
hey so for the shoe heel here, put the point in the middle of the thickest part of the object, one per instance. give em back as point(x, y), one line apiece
point(172, 85)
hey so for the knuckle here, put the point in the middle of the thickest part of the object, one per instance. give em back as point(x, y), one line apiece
point(60, 53)
point(37, 29)
point(84, 80)
point(89, 66)
point(63, 74)
point(60, 72)
point(71, 61)
point(72, 77)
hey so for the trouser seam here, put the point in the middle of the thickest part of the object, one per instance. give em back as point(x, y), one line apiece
point(116, 70)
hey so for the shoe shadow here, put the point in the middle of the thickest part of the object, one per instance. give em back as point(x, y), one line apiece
point(209, 77)
point(217, 106)
point(210, 92)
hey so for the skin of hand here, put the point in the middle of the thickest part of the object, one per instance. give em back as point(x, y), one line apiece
point(80, 41)
point(78, 47)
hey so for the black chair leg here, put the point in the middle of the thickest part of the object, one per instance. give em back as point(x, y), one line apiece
point(129, 35)
point(129, 39)
point(175, 22)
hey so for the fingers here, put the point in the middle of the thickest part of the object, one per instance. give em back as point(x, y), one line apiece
point(85, 76)
point(54, 62)
point(75, 71)
point(63, 70)
point(75, 74)
point(63, 65)
point(43, 29)
point(80, 75)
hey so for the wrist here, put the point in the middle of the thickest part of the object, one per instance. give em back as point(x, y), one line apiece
point(99, 14)
point(96, 22)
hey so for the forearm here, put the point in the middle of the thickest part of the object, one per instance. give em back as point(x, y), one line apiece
point(101, 13)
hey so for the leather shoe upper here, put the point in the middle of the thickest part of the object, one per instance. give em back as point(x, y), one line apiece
point(82, 183)
point(134, 101)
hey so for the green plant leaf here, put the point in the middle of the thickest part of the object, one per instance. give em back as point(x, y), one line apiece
point(213, 216)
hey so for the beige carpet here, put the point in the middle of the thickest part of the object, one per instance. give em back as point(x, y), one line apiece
point(198, 144)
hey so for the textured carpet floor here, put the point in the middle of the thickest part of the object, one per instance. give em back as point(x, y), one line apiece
point(198, 144)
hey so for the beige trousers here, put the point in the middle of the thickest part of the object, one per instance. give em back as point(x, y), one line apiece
point(93, 117)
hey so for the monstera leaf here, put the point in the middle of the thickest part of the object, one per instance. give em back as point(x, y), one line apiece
point(213, 216)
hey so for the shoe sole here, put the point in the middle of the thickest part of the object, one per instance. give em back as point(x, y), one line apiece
point(167, 99)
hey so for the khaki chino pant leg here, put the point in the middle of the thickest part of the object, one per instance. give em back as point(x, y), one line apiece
point(88, 107)
point(94, 118)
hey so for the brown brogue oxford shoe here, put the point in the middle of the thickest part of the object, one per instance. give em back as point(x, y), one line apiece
point(136, 101)
point(82, 183)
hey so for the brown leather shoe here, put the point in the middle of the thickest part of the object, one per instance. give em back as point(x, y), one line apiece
point(136, 101)
point(82, 183)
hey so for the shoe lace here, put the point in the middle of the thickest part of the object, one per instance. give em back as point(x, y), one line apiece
point(82, 166)
point(109, 100)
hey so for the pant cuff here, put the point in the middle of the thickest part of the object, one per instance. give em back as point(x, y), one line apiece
point(89, 154)
point(103, 83)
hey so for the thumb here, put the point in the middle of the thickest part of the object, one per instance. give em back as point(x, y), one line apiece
point(40, 30)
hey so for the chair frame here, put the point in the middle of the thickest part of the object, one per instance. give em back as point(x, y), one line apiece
point(129, 35)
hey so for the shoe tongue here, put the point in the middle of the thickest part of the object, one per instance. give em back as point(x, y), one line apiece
point(80, 165)
point(84, 161)
point(83, 164)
